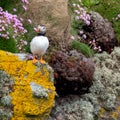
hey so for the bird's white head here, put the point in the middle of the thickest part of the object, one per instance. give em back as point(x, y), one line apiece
point(41, 29)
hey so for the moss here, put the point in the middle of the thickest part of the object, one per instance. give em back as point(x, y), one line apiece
point(25, 104)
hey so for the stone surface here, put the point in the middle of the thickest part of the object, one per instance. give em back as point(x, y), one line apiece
point(26, 90)
point(53, 14)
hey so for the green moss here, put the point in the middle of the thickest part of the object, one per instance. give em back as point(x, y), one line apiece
point(8, 45)
point(83, 48)
point(90, 3)
point(10, 4)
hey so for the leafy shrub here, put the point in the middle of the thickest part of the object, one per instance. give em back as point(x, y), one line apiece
point(83, 48)
point(8, 45)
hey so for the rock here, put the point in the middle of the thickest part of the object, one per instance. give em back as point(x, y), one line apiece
point(102, 31)
point(73, 72)
point(25, 92)
point(103, 100)
point(53, 14)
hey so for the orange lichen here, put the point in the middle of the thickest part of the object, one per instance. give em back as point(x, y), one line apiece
point(24, 104)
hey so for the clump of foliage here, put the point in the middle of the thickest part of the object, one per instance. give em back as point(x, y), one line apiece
point(90, 3)
point(8, 45)
point(73, 71)
point(83, 48)
point(109, 9)
point(16, 32)
point(11, 29)
point(81, 20)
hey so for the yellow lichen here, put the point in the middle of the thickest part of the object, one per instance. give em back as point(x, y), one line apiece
point(102, 111)
point(24, 104)
point(118, 108)
point(115, 115)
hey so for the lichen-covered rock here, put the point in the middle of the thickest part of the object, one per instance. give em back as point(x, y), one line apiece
point(26, 91)
point(73, 72)
point(103, 100)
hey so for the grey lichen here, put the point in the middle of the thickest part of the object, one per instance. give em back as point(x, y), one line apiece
point(40, 67)
point(38, 90)
point(6, 100)
point(6, 81)
point(103, 94)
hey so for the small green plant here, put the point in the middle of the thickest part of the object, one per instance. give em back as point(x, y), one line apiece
point(83, 48)
point(90, 3)
point(8, 45)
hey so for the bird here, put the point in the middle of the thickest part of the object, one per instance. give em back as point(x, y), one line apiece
point(39, 44)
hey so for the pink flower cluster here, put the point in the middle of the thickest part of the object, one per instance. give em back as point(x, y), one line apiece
point(94, 46)
point(11, 27)
point(25, 2)
point(81, 14)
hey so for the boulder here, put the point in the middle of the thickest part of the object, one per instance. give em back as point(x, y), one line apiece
point(54, 14)
point(73, 72)
point(26, 91)
point(102, 31)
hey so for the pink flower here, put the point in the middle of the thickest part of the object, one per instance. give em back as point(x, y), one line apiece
point(24, 7)
point(118, 15)
point(25, 42)
point(100, 50)
point(90, 42)
point(29, 20)
point(21, 19)
point(25, 1)
point(93, 40)
point(14, 9)
point(74, 5)
point(77, 18)
point(81, 32)
point(72, 38)
point(95, 48)
point(84, 36)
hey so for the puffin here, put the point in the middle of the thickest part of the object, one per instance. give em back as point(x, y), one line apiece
point(39, 44)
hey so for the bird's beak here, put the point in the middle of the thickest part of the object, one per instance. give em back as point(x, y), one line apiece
point(37, 30)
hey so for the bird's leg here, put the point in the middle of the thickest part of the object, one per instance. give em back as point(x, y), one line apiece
point(42, 61)
point(34, 60)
